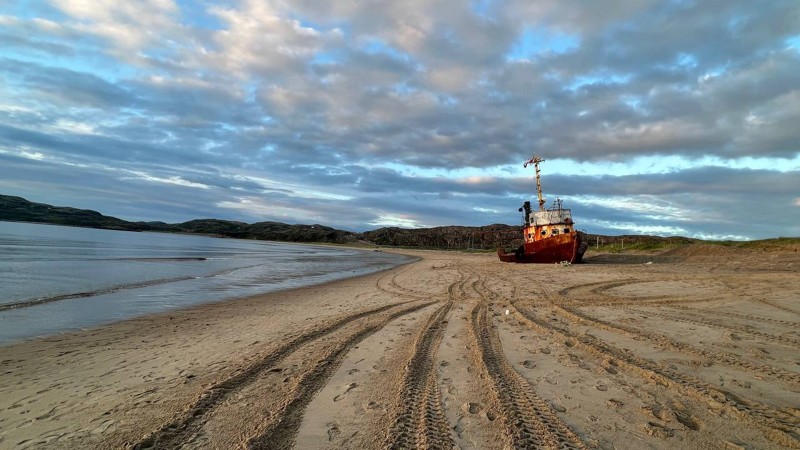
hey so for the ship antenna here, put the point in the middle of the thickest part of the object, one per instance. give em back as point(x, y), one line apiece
point(535, 160)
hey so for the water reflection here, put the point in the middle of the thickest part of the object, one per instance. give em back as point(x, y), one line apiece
point(60, 278)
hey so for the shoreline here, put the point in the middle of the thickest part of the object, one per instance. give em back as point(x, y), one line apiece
point(77, 305)
point(226, 333)
point(340, 365)
point(174, 312)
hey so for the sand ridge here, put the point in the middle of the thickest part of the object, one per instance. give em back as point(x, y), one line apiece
point(455, 350)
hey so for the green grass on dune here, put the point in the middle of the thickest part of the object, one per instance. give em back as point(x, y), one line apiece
point(761, 244)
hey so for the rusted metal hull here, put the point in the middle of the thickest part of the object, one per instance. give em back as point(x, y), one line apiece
point(555, 249)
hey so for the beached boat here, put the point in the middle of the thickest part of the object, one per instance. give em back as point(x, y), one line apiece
point(549, 234)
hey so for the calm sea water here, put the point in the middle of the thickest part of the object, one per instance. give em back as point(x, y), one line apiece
point(55, 279)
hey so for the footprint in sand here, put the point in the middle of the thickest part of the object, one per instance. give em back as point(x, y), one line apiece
point(107, 425)
point(689, 421)
point(47, 414)
point(459, 427)
point(333, 431)
point(659, 430)
point(349, 388)
point(471, 407)
point(372, 405)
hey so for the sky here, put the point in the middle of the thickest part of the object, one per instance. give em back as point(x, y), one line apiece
point(653, 117)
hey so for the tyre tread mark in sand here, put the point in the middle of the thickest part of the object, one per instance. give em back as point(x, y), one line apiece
point(177, 432)
point(715, 324)
point(737, 315)
point(391, 287)
point(281, 431)
point(420, 421)
point(775, 305)
point(530, 421)
point(729, 359)
point(597, 286)
point(596, 291)
point(778, 426)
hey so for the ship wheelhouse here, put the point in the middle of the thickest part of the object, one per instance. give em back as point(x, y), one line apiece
point(539, 225)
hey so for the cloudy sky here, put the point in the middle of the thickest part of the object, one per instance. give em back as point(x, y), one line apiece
point(654, 117)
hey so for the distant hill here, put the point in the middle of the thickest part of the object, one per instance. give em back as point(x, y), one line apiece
point(487, 237)
point(20, 210)
point(451, 237)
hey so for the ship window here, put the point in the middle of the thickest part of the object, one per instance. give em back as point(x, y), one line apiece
point(566, 230)
point(555, 231)
point(544, 232)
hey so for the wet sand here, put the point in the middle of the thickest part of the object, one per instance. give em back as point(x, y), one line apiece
point(694, 348)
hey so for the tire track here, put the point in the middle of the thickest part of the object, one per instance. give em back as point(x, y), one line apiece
point(529, 420)
point(393, 288)
point(715, 324)
point(174, 434)
point(281, 431)
point(738, 316)
point(775, 305)
point(728, 359)
point(649, 301)
point(597, 287)
point(420, 421)
point(779, 427)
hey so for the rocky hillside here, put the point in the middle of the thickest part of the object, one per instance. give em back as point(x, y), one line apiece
point(452, 237)
point(20, 210)
point(487, 237)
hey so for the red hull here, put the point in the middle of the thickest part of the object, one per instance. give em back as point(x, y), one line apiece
point(565, 247)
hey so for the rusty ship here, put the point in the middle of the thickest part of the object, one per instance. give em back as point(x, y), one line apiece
point(549, 234)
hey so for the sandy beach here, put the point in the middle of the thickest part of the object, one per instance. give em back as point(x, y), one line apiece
point(697, 347)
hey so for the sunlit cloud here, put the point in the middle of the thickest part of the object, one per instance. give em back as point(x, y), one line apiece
point(255, 207)
point(175, 180)
point(635, 228)
point(388, 220)
point(647, 206)
point(407, 115)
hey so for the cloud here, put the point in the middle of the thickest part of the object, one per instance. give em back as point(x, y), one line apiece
point(128, 27)
point(352, 114)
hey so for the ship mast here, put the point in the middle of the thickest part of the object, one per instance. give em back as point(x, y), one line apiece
point(535, 160)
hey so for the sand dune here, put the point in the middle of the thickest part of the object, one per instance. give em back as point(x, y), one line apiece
point(682, 350)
